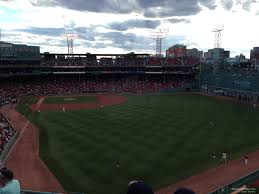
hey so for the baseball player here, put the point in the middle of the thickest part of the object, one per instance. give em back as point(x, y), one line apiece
point(211, 123)
point(224, 156)
point(213, 156)
point(246, 159)
point(63, 109)
point(117, 164)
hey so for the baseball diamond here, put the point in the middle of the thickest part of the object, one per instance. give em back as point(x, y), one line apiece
point(116, 123)
point(148, 134)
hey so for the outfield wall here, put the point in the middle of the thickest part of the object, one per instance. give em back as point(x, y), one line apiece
point(237, 81)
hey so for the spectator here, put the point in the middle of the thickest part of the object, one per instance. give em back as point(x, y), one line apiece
point(11, 185)
point(184, 191)
point(139, 187)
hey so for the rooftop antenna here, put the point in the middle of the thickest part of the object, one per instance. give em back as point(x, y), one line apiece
point(159, 35)
point(218, 40)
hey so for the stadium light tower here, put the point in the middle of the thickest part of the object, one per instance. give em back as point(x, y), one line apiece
point(159, 35)
point(217, 32)
point(70, 37)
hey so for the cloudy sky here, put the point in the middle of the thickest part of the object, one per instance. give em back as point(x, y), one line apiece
point(121, 26)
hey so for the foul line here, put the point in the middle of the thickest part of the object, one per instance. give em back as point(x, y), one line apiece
point(23, 129)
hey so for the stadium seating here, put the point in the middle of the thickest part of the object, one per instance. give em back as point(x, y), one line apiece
point(120, 61)
point(10, 91)
point(6, 133)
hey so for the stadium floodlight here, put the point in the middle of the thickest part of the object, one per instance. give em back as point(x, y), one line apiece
point(159, 35)
point(70, 37)
point(217, 32)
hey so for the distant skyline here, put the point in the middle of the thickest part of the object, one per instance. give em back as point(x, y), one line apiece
point(122, 26)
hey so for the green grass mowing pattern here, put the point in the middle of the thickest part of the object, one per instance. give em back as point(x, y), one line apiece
point(160, 139)
point(69, 99)
point(24, 103)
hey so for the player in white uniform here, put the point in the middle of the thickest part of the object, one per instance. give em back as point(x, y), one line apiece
point(246, 159)
point(63, 109)
point(224, 156)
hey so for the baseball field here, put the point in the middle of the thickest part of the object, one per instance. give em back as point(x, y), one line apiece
point(157, 138)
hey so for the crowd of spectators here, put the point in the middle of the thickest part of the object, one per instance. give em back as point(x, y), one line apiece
point(140, 187)
point(6, 133)
point(10, 91)
point(120, 61)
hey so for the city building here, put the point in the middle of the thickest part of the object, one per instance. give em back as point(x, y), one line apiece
point(254, 57)
point(206, 55)
point(9, 51)
point(194, 53)
point(217, 54)
point(177, 51)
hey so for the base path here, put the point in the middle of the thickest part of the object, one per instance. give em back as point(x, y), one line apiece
point(24, 158)
point(103, 100)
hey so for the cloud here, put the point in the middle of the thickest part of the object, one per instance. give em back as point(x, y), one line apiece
point(104, 6)
point(227, 4)
point(149, 8)
point(167, 8)
point(173, 21)
point(246, 4)
point(127, 41)
point(129, 24)
point(87, 37)
point(83, 32)
point(211, 4)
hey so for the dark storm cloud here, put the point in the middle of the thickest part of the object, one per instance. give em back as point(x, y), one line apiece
point(150, 8)
point(227, 4)
point(123, 26)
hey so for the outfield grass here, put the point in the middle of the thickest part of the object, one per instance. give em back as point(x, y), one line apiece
point(160, 139)
point(69, 99)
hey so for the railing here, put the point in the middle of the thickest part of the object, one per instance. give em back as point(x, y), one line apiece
point(228, 188)
point(41, 192)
